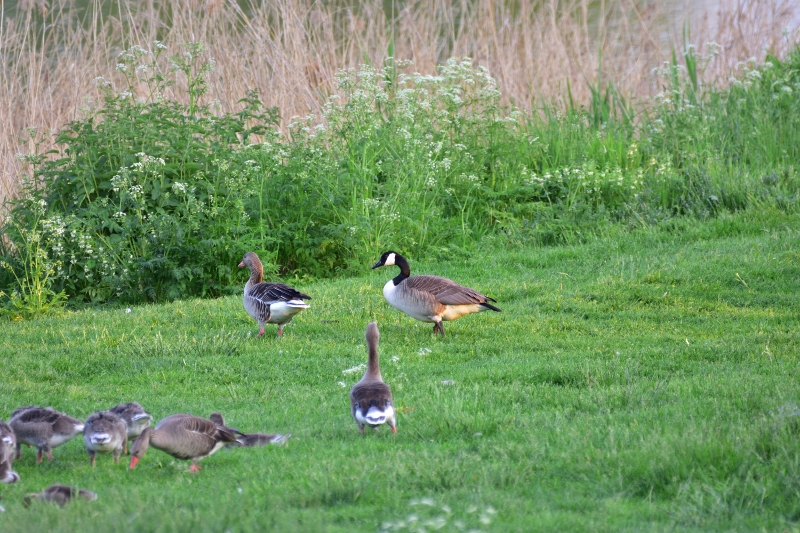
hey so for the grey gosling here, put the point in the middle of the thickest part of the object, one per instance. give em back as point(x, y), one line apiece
point(59, 494)
point(105, 432)
point(8, 448)
point(371, 398)
point(269, 303)
point(183, 437)
point(43, 427)
point(430, 298)
point(249, 439)
point(135, 417)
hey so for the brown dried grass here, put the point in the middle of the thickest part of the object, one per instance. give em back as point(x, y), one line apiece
point(290, 50)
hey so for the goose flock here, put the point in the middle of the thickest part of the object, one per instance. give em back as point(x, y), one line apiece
point(192, 438)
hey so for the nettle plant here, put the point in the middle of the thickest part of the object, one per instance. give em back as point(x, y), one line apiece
point(143, 199)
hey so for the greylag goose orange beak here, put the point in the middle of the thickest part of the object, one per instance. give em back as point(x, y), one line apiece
point(184, 437)
point(43, 427)
point(269, 303)
point(371, 398)
point(430, 298)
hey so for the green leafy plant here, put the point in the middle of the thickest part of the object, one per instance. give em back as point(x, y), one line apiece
point(32, 269)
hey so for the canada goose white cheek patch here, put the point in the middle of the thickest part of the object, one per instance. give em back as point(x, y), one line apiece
point(389, 260)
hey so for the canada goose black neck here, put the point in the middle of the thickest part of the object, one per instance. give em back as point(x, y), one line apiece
point(373, 365)
point(405, 269)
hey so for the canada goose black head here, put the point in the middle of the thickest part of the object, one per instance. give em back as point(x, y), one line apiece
point(387, 259)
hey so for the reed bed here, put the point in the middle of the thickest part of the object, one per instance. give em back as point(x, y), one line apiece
point(542, 53)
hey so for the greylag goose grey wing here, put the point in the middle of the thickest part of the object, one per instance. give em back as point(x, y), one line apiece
point(250, 440)
point(271, 292)
point(43, 427)
point(135, 417)
point(183, 437)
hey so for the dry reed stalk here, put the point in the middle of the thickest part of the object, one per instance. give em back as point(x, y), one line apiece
point(290, 50)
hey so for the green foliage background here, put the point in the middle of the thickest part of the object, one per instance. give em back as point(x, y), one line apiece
point(151, 200)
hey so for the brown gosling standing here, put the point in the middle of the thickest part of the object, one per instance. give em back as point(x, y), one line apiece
point(135, 417)
point(371, 398)
point(269, 303)
point(43, 427)
point(59, 494)
point(104, 432)
point(430, 298)
point(8, 448)
point(249, 439)
point(183, 437)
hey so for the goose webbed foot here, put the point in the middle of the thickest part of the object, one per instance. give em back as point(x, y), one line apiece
point(194, 468)
point(438, 327)
point(260, 333)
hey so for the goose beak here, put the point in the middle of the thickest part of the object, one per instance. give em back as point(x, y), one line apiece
point(241, 265)
point(134, 460)
point(376, 265)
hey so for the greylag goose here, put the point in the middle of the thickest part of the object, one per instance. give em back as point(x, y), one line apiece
point(43, 427)
point(59, 494)
point(371, 398)
point(135, 417)
point(430, 298)
point(105, 432)
point(8, 448)
point(183, 437)
point(250, 439)
point(269, 303)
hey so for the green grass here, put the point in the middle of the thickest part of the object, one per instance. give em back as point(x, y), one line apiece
point(643, 381)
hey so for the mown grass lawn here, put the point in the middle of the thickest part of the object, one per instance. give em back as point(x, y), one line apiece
point(643, 382)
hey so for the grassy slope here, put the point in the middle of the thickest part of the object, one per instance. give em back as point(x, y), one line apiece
point(636, 383)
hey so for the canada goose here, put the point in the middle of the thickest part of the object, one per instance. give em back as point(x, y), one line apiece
point(183, 437)
point(104, 432)
point(371, 398)
point(8, 448)
point(269, 303)
point(135, 417)
point(59, 494)
point(429, 298)
point(43, 427)
point(249, 439)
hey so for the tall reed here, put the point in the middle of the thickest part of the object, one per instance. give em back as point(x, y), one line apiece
point(290, 50)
